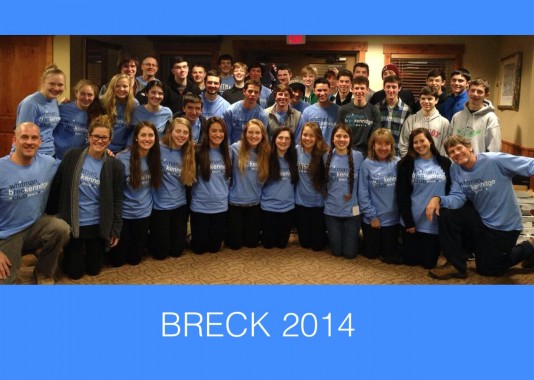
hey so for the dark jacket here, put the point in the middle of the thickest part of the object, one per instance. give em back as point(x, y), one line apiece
point(173, 98)
point(405, 95)
point(404, 187)
point(64, 193)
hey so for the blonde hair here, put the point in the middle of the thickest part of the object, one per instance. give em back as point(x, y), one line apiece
point(188, 176)
point(263, 150)
point(381, 134)
point(109, 100)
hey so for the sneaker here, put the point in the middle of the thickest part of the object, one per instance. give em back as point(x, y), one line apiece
point(42, 279)
point(446, 272)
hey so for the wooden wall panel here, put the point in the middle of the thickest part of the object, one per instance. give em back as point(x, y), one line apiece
point(23, 59)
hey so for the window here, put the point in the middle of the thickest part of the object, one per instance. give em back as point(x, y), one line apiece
point(415, 61)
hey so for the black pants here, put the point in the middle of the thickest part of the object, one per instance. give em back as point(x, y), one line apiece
point(132, 243)
point(311, 227)
point(380, 242)
point(243, 226)
point(420, 248)
point(495, 251)
point(168, 232)
point(84, 255)
point(276, 228)
point(207, 231)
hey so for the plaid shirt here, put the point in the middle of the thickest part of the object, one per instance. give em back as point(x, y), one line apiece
point(393, 119)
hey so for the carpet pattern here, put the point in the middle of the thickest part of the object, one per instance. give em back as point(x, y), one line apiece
point(293, 265)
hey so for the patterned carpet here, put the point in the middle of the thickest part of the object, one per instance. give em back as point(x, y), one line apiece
point(293, 265)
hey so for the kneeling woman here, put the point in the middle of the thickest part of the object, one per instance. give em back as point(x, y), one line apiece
point(378, 201)
point(209, 196)
point(422, 174)
point(250, 169)
point(342, 213)
point(278, 194)
point(142, 173)
point(87, 192)
point(168, 222)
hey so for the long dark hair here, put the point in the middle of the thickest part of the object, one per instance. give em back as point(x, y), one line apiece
point(316, 167)
point(290, 156)
point(412, 154)
point(203, 150)
point(345, 128)
point(153, 158)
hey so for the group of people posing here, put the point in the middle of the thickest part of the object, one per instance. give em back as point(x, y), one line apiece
point(124, 174)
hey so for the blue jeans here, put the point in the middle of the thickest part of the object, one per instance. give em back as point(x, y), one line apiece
point(343, 235)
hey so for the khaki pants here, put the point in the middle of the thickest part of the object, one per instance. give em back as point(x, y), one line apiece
point(48, 233)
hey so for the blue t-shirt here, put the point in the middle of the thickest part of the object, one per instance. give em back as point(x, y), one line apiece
point(137, 202)
point(158, 118)
point(279, 196)
point(338, 185)
point(325, 117)
point(44, 112)
point(489, 186)
point(24, 192)
point(89, 202)
point(214, 108)
point(428, 180)
point(236, 117)
point(376, 191)
point(121, 130)
point(226, 84)
point(305, 193)
point(211, 197)
point(71, 132)
point(245, 188)
point(171, 193)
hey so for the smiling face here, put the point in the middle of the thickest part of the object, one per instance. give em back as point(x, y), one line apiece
point(477, 94)
point(308, 139)
point(360, 71)
point(53, 86)
point(282, 142)
point(458, 84)
point(282, 99)
point(122, 89)
point(225, 66)
point(341, 141)
point(421, 145)
point(308, 79)
point(179, 135)
point(212, 85)
point(462, 155)
point(129, 69)
point(253, 135)
point(198, 73)
point(359, 91)
point(322, 91)
point(382, 149)
point(428, 102)
point(155, 96)
point(216, 135)
point(192, 111)
point(145, 139)
point(149, 67)
point(99, 140)
point(435, 83)
point(239, 74)
point(392, 92)
point(343, 85)
point(84, 97)
point(26, 140)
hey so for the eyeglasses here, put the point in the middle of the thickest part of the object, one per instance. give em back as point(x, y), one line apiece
point(95, 138)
